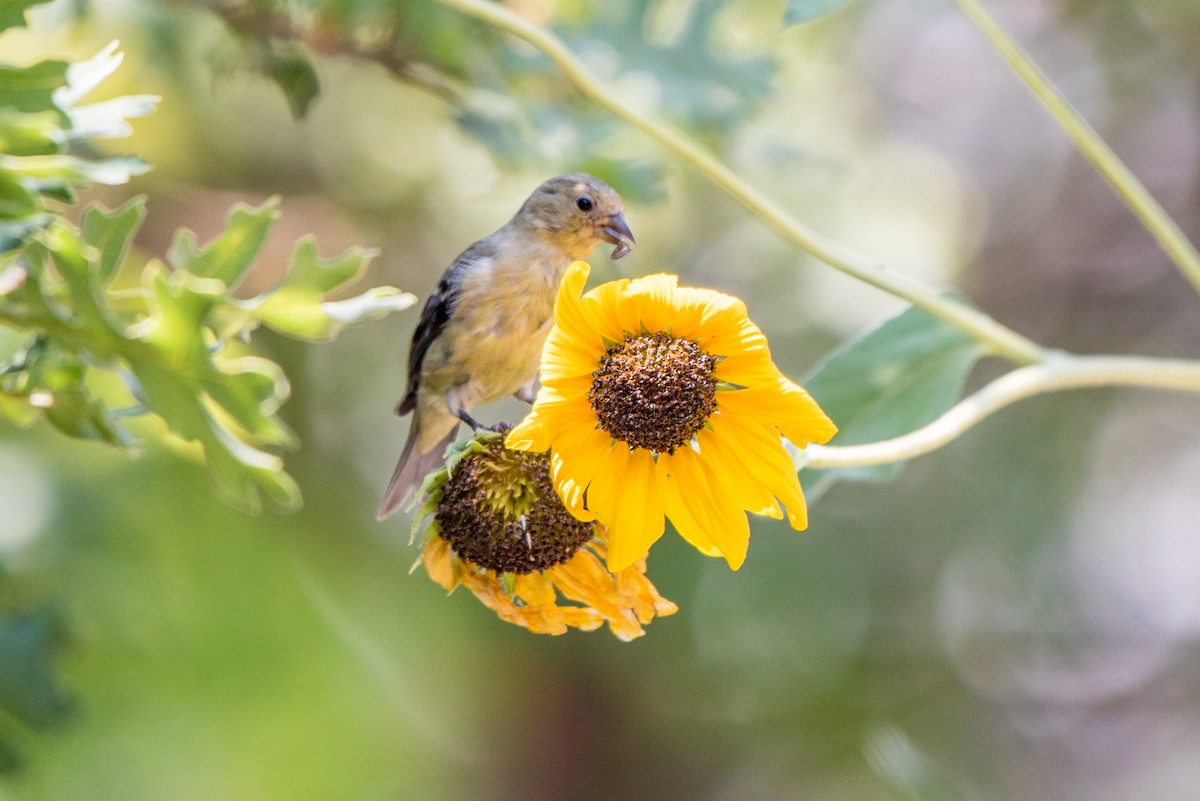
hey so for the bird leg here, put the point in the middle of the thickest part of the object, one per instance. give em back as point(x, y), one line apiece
point(469, 420)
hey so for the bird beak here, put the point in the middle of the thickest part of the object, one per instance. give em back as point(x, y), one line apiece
point(617, 232)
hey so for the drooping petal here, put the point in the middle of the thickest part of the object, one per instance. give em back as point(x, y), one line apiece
point(628, 501)
point(735, 475)
point(677, 503)
point(721, 521)
point(438, 560)
point(762, 449)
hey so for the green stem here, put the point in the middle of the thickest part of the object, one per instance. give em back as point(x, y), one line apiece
point(1001, 340)
point(1054, 375)
point(1169, 236)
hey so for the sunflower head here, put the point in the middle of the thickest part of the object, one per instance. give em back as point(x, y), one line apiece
point(654, 391)
point(660, 401)
point(494, 523)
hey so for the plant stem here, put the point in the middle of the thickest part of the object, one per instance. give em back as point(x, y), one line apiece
point(1063, 372)
point(1148, 211)
point(1001, 340)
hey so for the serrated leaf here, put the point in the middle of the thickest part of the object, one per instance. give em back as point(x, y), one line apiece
point(894, 379)
point(12, 12)
point(228, 256)
point(84, 76)
point(799, 12)
point(199, 397)
point(297, 306)
point(109, 118)
point(72, 171)
point(111, 232)
point(295, 75)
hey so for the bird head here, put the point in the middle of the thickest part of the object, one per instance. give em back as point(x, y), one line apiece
point(576, 212)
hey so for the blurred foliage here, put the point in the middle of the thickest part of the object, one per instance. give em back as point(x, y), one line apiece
point(889, 381)
point(30, 694)
point(798, 12)
point(173, 342)
point(509, 96)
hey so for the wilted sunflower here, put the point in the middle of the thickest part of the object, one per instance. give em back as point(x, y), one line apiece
point(495, 525)
point(659, 399)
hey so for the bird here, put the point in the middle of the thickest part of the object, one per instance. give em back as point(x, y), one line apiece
point(481, 331)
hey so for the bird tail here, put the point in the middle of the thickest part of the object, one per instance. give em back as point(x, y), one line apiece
point(411, 470)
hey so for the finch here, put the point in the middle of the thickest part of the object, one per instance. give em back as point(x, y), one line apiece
point(481, 332)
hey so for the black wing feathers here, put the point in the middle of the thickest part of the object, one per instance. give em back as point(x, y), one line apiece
point(439, 308)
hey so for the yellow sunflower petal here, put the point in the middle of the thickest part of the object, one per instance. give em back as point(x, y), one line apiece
point(582, 618)
point(787, 406)
point(570, 491)
point(676, 503)
point(762, 448)
point(720, 521)
point(530, 434)
point(652, 299)
point(565, 356)
point(735, 475)
point(643, 596)
point(584, 579)
point(600, 308)
point(737, 337)
point(706, 316)
point(748, 369)
point(438, 560)
point(534, 589)
point(555, 392)
point(631, 508)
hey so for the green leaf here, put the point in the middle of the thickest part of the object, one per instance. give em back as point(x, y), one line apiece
point(15, 200)
point(228, 256)
point(297, 306)
point(31, 89)
point(73, 171)
point(12, 12)
point(84, 76)
point(212, 401)
point(111, 232)
point(28, 133)
point(109, 118)
point(297, 78)
point(799, 12)
point(894, 379)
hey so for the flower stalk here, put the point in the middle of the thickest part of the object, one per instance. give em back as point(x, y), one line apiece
point(1143, 205)
point(1002, 341)
point(1062, 373)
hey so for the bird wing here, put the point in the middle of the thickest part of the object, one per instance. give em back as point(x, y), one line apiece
point(439, 308)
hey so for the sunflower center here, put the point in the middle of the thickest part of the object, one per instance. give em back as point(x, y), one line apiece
point(654, 391)
point(499, 511)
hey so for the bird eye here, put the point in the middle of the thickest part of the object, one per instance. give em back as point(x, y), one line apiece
point(584, 203)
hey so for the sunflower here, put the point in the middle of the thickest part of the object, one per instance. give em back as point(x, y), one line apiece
point(661, 400)
point(495, 525)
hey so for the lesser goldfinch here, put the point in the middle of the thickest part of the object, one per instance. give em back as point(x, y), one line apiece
point(481, 332)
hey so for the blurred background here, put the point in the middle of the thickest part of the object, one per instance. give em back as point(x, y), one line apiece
point(1016, 616)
